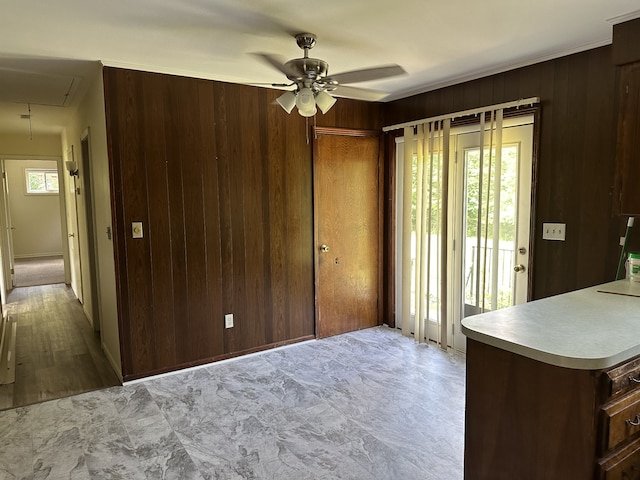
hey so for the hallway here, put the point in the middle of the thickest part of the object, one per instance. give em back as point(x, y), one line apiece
point(57, 352)
point(36, 271)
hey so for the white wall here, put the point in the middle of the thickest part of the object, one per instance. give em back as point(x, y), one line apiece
point(90, 115)
point(35, 219)
point(21, 145)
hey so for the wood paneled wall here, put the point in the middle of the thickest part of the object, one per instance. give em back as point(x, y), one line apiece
point(626, 42)
point(575, 158)
point(221, 178)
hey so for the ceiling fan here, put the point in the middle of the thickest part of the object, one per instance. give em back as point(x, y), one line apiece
point(313, 82)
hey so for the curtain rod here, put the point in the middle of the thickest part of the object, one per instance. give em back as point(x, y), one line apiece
point(464, 113)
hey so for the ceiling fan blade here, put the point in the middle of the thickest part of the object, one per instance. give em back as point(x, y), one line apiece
point(205, 14)
point(358, 93)
point(366, 74)
point(276, 62)
point(267, 84)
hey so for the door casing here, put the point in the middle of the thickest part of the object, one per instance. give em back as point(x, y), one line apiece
point(325, 309)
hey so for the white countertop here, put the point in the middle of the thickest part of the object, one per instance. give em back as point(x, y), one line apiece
point(586, 329)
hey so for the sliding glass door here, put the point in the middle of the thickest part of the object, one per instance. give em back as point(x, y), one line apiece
point(486, 198)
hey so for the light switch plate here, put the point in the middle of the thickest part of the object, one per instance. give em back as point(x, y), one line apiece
point(554, 231)
point(228, 320)
point(136, 230)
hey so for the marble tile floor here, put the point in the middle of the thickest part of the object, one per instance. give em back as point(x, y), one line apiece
point(367, 405)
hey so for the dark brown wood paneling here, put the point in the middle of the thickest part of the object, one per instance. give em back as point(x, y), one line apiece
point(130, 204)
point(348, 113)
point(389, 240)
point(210, 342)
point(526, 419)
point(223, 163)
point(159, 218)
point(628, 141)
point(221, 177)
point(575, 158)
point(626, 42)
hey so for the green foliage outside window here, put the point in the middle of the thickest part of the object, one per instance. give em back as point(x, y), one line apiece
point(41, 181)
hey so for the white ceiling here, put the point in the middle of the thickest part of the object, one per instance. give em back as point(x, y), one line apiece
point(49, 49)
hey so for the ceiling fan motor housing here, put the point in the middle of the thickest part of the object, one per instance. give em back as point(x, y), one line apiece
point(309, 69)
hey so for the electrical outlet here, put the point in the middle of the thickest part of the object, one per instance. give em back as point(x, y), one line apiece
point(228, 320)
point(553, 231)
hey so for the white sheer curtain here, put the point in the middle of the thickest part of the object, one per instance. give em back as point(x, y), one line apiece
point(424, 237)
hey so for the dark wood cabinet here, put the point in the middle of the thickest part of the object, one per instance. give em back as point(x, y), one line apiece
point(619, 423)
point(529, 420)
point(628, 140)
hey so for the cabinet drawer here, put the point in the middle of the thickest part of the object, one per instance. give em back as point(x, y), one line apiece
point(622, 379)
point(620, 421)
point(622, 465)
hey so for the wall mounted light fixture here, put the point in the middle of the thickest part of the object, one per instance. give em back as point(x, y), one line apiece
point(72, 167)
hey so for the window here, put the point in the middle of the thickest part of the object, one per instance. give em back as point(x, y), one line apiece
point(41, 181)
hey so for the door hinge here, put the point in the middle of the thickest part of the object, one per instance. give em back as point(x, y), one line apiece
point(12, 272)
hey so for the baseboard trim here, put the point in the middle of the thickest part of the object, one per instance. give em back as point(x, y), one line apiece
point(132, 379)
point(37, 255)
point(116, 367)
point(8, 352)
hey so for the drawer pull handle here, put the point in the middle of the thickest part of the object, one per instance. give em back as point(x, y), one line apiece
point(635, 422)
point(634, 380)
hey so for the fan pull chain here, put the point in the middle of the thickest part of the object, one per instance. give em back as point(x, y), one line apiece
point(30, 129)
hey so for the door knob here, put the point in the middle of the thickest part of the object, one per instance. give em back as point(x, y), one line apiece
point(519, 268)
point(324, 248)
point(71, 235)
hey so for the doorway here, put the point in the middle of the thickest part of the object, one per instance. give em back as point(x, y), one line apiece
point(491, 226)
point(90, 223)
point(55, 351)
point(488, 216)
point(34, 248)
point(347, 229)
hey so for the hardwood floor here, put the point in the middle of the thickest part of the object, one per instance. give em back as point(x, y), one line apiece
point(57, 352)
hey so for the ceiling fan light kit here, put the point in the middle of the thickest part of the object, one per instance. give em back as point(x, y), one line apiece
point(287, 101)
point(324, 101)
point(306, 102)
point(312, 80)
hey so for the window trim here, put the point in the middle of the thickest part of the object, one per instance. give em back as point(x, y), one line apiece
point(46, 171)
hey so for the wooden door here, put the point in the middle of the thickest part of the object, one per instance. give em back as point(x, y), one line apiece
point(347, 230)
